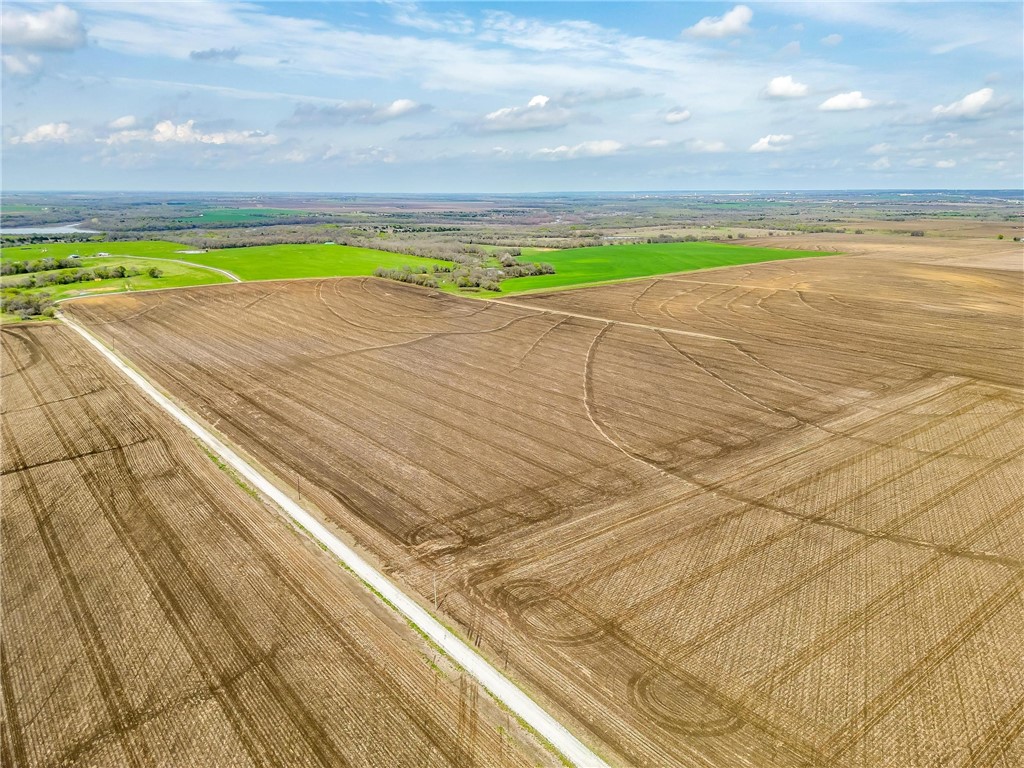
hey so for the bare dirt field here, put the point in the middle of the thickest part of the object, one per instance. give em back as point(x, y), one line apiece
point(765, 516)
point(155, 614)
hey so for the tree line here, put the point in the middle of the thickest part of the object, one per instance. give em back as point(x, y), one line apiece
point(465, 275)
point(69, 276)
point(40, 265)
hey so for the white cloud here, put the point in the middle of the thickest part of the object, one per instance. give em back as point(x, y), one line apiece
point(397, 108)
point(411, 15)
point(58, 28)
point(943, 22)
point(699, 145)
point(307, 114)
point(168, 132)
point(833, 39)
point(536, 35)
point(573, 98)
point(601, 148)
point(578, 55)
point(735, 22)
point(21, 63)
point(677, 115)
point(880, 164)
point(48, 132)
point(946, 140)
point(791, 49)
point(970, 105)
point(773, 142)
point(880, 149)
point(785, 87)
point(185, 133)
point(121, 123)
point(215, 54)
point(845, 102)
point(946, 164)
point(22, 32)
point(127, 137)
point(539, 114)
point(954, 45)
point(370, 155)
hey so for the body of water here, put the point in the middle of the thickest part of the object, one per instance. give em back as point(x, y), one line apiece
point(53, 229)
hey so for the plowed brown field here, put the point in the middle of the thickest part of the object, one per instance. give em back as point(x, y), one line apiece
point(156, 614)
point(767, 515)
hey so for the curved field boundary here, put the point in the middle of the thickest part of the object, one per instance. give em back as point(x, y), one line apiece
point(229, 275)
point(603, 264)
point(503, 689)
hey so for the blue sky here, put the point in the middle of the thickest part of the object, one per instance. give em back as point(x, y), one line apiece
point(511, 97)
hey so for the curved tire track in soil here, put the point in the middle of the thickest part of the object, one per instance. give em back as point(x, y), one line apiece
point(642, 690)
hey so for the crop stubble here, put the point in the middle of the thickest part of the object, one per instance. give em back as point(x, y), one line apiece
point(792, 540)
point(155, 614)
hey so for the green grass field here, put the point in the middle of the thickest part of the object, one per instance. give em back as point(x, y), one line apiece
point(577, 266)
point(23, 208)
point(270, 262)
point(153, 248)
point(239, 215)
point(263, 262)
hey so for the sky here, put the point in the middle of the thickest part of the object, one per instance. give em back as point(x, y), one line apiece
point(511, 97)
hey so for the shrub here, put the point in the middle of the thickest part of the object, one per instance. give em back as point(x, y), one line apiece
point(155, 272)
point(406, 275)
point(27, 306)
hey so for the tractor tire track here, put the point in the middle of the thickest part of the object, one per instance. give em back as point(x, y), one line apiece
point(12, 740)
point(112, 688)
